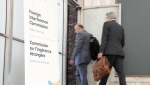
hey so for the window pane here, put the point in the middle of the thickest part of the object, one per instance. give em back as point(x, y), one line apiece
point(17, 64)
point(2, 15)
point(2, 45)
point(18, 24)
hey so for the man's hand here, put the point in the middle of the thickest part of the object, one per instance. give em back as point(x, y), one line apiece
point(100, 55)
point(71, 62)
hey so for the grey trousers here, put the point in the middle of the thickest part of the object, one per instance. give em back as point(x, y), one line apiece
point(117, 62)
point(81, 74)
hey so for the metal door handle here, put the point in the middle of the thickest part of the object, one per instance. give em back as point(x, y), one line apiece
point(61, 53)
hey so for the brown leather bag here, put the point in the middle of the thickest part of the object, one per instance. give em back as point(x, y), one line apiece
point(101, 68)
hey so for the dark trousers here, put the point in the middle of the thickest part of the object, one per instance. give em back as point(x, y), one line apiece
point(81, 74)
point(117, 62)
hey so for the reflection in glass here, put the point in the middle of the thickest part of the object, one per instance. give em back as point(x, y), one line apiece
point(17, 64)
point(18, 19)
point(2, 46)
point(2, 15)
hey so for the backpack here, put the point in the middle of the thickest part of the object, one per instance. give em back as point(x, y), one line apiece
point(94, 47)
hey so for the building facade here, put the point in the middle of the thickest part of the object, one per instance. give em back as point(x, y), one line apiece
point(133, 16)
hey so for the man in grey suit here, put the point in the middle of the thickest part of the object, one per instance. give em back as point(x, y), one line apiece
point(81, 54)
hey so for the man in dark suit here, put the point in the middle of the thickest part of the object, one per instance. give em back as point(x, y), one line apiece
point(112, 46)
point(81, 54)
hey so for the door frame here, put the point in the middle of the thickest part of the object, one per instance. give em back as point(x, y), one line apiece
point(113, 73)
point(103, 6)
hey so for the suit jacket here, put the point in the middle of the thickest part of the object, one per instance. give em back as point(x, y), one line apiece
point(81, 52)
point(112, 39)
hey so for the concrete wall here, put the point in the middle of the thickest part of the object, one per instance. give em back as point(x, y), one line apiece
point(135, 20)
point(90, 3)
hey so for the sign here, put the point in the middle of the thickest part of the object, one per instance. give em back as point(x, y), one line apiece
point(41, 42)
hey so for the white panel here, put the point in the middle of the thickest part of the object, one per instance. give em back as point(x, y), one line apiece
point(17, 64)
point(18, 24)
point(38, 62)
point(2, 45)
point(2, 15)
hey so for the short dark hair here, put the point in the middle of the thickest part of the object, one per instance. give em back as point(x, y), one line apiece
point(81, 26)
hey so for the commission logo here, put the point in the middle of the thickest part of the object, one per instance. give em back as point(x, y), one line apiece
point(51, 83)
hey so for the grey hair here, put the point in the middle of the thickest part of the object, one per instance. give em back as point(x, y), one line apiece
point(111, 15)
